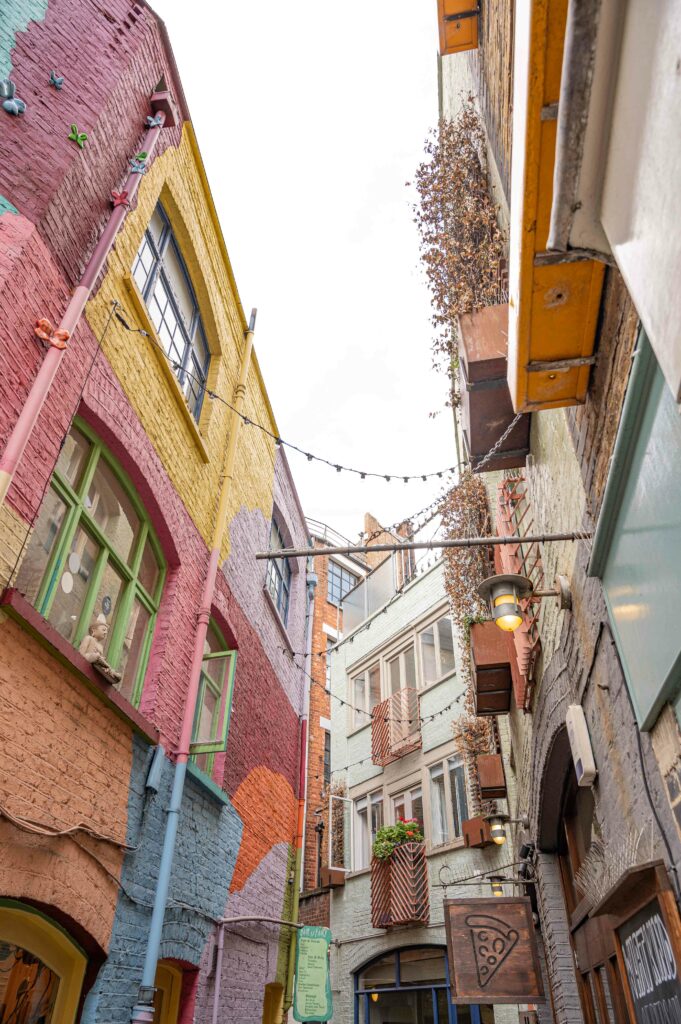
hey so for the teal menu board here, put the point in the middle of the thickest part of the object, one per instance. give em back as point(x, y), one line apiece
point(312, 999)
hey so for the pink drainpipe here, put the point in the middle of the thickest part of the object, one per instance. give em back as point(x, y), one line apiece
point(28, 417)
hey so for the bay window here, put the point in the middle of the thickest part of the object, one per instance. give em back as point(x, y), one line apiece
point(93, 558)
point(448, 800)
point(409, 805)
point(214, 700)
point(437, 650)
point(365, 695)
point(368, 819)
point(402, 670)
point(162, 278)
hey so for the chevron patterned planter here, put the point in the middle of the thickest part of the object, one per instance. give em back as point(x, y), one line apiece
point(399, 887)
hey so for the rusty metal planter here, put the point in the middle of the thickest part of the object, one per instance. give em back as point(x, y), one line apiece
point(399, 887)
point(395, 727)
point(486, 408)
point(491, 776)
point(491, 664)
point(477, 833)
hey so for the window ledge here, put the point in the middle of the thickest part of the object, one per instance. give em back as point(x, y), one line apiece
point(155, 343)
point(359, 728)
point(453, 844)
point(207, 784)
point(17, 607)
point(437, 682)
point(277, 618)
point(358, 874)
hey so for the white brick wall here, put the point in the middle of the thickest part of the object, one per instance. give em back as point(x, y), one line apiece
point(355, 941)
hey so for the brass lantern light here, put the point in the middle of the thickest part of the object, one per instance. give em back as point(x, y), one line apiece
point(497, 830)
point(503, 594)
point(497, 886)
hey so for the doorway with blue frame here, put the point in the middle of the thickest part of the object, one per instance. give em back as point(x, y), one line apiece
point(411, 986)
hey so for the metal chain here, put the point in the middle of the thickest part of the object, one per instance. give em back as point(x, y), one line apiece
point(495, 448)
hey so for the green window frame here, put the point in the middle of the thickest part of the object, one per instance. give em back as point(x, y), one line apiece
point(70, 548)
point(213, 710)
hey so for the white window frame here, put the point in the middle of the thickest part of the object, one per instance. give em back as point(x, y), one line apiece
point(360, 711)
point(361, 859)
point(399, 654)
point(432, 624)
point(452, 836)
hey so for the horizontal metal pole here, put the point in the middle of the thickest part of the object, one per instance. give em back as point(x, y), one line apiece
point(417, 545)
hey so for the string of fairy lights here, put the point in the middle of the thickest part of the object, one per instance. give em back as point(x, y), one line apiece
point(431, 511)
point(339, 467)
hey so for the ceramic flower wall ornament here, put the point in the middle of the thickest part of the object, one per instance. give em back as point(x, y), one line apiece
point(10, 101)
point(80, 138)
point(56, 80)
point(138, 163)
point(119, 199)
point(155, 122)
point(46, 332)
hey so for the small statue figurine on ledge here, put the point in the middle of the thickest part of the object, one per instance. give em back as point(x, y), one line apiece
point(92, 649)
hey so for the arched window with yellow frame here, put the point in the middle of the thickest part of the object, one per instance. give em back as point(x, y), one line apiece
point(41, 968)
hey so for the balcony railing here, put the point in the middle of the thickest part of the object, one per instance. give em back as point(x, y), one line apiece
point(515, 519)
point(395, 727)
point(399, 887)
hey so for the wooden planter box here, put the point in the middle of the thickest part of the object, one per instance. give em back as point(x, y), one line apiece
point(491, 664)
point(491, 776)
point(399, 887)
point(486, 407)
point(476, 833)
point(458, 25)
point(332, 878)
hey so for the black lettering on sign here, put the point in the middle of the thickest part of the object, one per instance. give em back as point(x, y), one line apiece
point(651, 967)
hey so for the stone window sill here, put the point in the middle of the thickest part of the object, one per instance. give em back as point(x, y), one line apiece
point(15, 605)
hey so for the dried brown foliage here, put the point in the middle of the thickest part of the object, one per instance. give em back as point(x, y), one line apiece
point(461, 245)
point(465, 513)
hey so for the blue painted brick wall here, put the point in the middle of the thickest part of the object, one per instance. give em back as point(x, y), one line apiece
point(207, 846)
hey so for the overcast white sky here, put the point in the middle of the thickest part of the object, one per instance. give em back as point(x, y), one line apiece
point(311, 117)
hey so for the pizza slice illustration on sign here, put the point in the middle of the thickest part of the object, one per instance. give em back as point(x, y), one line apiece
point(492, 941)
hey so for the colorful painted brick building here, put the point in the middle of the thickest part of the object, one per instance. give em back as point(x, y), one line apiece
point(111, 529)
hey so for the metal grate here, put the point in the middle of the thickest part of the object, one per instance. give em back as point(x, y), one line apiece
point(399, 887)
point(395, 727)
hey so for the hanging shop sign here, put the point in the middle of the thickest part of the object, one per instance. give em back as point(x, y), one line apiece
point(312, 998)
point(642, 912)
point(492, 951)
point(650, 965)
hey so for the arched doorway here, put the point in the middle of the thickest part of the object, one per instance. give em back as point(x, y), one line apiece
point(41, 968)
point(598, 974)
point(411, 986)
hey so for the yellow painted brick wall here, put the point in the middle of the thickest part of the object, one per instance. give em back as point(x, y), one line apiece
point(176, 179)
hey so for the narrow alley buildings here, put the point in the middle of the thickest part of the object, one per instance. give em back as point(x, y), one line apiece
point(116, 555)
point(580, 345)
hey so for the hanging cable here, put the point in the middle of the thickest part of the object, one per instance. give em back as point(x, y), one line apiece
point(339, 467)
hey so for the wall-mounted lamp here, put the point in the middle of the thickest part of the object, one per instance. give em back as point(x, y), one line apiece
point(497, 826)
point(504, 593)
point(374, 997)
point(496, 883)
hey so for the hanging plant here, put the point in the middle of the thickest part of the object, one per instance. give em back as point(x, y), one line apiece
point(461, 246)
point(465, 513)
point(406, 830)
